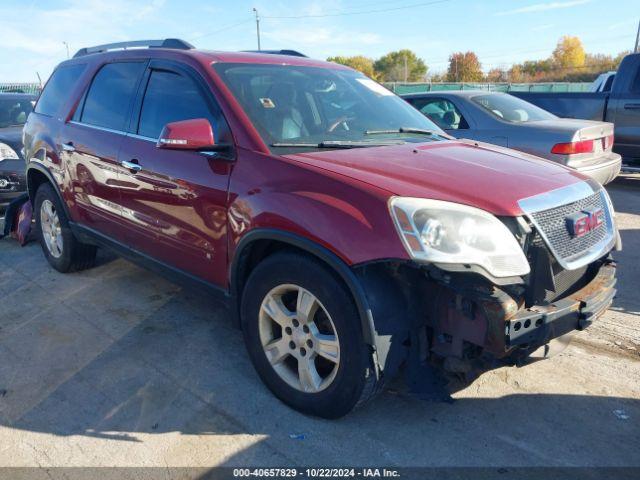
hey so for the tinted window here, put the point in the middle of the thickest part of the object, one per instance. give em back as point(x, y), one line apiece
point(635, 87)
point(109, 97)
point(608, 83)
point(441, 112)
point(14, 110)
point(170, 98)
point(58, 88)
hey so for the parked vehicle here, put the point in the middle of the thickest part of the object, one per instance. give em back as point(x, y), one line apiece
point(349, 234)
point(501, 119)
point(620, 106)
point(14, 110)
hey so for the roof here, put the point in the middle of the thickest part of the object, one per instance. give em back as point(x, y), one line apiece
point(259, 58)
point(455, 93)
point(176, 47)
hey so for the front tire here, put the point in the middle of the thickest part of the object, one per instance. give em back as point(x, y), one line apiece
point(61, 249)
point(303, 334)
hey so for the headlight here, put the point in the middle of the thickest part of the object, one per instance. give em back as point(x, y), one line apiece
point(7, 153)
point(449, 233)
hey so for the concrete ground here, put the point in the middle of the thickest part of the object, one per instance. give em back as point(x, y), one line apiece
point(116, 366)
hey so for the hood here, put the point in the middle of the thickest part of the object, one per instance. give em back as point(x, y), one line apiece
point(12, 136)
point(480, 175)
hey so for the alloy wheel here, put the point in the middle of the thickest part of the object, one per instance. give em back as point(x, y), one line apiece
point(51, 229)
point(299, 338)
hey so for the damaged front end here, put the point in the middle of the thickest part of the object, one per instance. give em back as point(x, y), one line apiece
point(462, 320)
point(18, 219)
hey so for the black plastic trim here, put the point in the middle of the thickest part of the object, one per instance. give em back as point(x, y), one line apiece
point(330, 258)
point(91, 236)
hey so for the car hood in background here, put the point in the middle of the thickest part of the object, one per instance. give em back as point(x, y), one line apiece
point(481, 175)
point(12, 136)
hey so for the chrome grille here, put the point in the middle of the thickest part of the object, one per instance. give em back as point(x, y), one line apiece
point(548, 213)
point(553, 223)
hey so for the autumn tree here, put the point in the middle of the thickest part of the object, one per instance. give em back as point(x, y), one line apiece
point(399, 66)
point(497, 75)
point(358, 62)
point(464, 67)
point(569, 53)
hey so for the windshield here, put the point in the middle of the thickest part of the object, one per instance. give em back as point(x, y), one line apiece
point(14, 111)
point(511, 109)
point(298, 107)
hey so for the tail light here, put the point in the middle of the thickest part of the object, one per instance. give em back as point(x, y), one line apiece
point(584, 146)
point(607, 142)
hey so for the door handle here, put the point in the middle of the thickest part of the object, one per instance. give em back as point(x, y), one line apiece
point(632, 106)
point(68, 147)
point(132, 165)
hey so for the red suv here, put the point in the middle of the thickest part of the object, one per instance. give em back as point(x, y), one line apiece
point(350, 235)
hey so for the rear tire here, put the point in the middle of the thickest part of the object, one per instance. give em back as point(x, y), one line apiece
point(323, 367)
point(61, 249)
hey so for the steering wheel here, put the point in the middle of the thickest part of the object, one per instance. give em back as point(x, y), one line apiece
point(340, 121)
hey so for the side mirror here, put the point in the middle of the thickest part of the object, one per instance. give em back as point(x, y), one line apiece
point(195, 134)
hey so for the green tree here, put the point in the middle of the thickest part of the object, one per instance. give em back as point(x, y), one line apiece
point(569, 53)
point(358, 62)
point(464, 67)
point(400, 66)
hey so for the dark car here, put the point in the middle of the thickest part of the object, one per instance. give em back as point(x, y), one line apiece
point(348, 234)
point(14, 111)
point(620, 105)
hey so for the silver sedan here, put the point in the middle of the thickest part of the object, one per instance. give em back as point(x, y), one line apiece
point(502, 119)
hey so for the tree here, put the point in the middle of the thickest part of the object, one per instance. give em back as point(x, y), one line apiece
point(497, 75)
point(400, 66)
point(464, 67)
point(569, 53)
point(358, 62)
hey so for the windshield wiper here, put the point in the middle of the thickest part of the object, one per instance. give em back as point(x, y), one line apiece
point(335, 144)
point(420, 131)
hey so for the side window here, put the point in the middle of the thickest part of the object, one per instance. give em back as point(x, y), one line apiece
point(442, 112)
point(171, 97)
point(109, 97)
point(635, 86)
point(58, 88)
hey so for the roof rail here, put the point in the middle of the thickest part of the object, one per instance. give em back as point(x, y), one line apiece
point(292, 53)
point(163, 43)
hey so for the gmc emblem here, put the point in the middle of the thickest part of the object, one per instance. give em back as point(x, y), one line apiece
point(581, 223)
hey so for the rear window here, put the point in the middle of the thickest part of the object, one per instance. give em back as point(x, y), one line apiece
point(109, 97)
point(511, 109)
point(58, 88)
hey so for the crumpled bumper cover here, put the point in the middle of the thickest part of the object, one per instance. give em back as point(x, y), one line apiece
point(539, 324)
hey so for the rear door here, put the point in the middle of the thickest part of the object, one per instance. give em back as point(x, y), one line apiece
point(175, 205)
point(90, 143)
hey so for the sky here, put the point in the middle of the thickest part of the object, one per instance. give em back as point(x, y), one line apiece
point(501, 32)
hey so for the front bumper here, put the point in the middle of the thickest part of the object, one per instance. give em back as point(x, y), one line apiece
point(12, 180)
point(496, 320)
point(538, 325)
